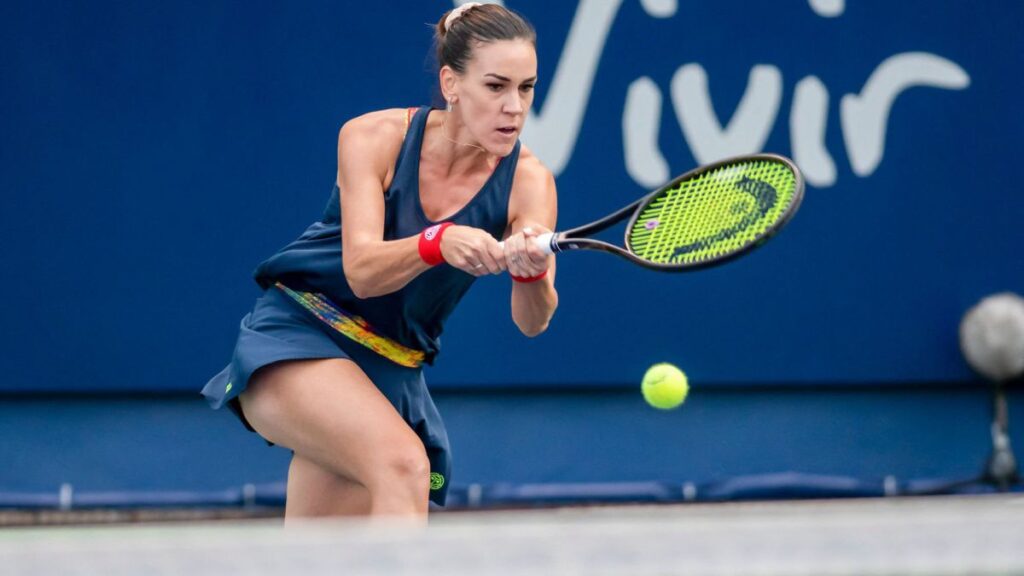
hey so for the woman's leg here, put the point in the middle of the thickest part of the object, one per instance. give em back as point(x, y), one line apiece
point(314, 491)
point(338, 423)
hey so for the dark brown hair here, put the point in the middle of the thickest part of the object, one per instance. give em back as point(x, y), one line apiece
point(478, 25)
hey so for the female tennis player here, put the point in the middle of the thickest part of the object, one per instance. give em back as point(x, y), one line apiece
point(328, 362)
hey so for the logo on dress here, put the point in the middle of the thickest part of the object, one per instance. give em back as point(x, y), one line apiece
point(436, 481)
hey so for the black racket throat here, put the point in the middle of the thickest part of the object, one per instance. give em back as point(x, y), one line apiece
point(579, 238)
point(568, 241)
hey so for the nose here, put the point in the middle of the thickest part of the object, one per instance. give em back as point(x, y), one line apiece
point(513, 103)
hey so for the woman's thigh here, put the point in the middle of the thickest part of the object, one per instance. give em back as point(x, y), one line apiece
point(328, 411)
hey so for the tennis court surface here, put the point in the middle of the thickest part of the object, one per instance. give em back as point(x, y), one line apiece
point(924, 535)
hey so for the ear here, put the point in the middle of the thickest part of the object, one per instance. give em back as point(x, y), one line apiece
point(448, 80)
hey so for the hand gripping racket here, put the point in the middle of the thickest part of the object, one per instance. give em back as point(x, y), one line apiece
point(705, 217)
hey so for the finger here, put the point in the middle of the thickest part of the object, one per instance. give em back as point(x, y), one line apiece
point(534, 254)
point(488, 264)
point(515, 267)
point(469, 264)
point(498, 252)
point(492, 255)
point(518, 260)
point(474, 268)
point(536, 259)
point(531, 270)
point(509, 252)
point(528, 269)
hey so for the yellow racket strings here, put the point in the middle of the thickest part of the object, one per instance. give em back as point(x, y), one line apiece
point(714, 214)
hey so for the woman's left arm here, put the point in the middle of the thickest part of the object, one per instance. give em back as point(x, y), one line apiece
point(533, 210)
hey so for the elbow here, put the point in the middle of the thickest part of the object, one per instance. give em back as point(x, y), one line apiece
point(533, 331)
point(366, 285)
point(360, 290)
point(534, 327)
point(361, 287)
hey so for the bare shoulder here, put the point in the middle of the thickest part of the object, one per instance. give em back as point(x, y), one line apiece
point(531, 172)
point(370, 143)
point(381, 129)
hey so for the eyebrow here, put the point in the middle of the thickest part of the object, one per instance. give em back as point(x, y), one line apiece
point(503, 79)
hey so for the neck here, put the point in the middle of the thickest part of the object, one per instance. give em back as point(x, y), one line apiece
point(454, 147)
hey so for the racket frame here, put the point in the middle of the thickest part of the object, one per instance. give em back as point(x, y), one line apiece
point(574, 238)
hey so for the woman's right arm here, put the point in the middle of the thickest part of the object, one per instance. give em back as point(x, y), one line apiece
point(373, 266)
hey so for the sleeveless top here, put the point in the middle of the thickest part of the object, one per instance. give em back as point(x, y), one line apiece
point(413, 316)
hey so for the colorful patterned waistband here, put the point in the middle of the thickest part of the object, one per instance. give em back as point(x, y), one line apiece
point(355, 328)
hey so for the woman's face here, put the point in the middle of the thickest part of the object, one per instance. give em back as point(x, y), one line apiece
point(495, 93)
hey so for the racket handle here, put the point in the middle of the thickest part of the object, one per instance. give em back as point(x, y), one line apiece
point(543, 243)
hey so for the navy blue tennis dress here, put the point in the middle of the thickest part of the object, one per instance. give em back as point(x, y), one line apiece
point(309, 311)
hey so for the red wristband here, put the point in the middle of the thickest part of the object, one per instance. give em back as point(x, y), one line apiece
point(528, 279)
point(430, 243)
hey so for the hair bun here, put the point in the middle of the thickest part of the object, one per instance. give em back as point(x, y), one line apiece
point(457, 13)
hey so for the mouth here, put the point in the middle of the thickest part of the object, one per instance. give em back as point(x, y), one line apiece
point(507, 130)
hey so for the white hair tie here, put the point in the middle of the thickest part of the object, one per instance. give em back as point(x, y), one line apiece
point(456, 13)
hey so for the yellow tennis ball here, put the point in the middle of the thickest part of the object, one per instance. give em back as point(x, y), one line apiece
point(664, 386)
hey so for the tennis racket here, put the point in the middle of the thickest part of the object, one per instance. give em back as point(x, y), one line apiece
point(705, 217)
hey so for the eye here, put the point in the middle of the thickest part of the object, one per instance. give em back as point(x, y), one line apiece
point(494, 87)
point(526, 87)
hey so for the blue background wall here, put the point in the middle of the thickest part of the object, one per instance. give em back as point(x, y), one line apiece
point(153, 154)
point(176, 443)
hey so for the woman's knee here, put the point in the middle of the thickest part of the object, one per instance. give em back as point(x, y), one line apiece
point(403, 464)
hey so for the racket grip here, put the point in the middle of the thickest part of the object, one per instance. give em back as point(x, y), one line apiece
point(542, 242)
